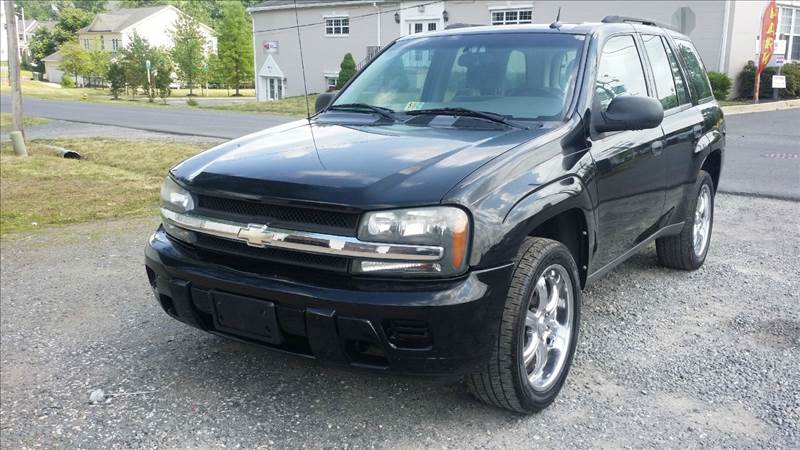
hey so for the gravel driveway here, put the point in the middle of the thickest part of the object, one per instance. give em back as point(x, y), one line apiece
point(666, 358)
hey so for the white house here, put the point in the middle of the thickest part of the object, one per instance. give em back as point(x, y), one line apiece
point(723, 31)
point(112, 31)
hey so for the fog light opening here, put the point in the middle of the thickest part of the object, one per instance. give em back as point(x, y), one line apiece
point(366, 353)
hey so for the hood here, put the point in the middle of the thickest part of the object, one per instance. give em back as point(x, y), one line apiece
point(357, 166)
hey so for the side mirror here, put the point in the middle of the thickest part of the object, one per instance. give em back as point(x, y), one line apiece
point(630, 112)
point(323, 100)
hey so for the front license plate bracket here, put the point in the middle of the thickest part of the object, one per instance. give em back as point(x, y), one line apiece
point(247, 317)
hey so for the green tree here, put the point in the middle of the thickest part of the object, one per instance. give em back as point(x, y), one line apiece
point(70, 20)
point(134, 61)
point(99, 61)
point(235, 46)
point(75, 60)
point(346, 70)
point(43, 43)
point(161, 76)
point(116, 78)
point(215, 76)
point(188, 51)
point(50, 9)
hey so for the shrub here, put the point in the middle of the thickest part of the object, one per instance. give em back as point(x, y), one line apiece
point(192, 102)
point(67, 81)
point(792, 73)
point(746, 81)
point(346, 70)
point(720, 85)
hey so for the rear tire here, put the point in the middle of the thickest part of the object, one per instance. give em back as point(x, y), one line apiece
point(683, 251)
point(538, 331)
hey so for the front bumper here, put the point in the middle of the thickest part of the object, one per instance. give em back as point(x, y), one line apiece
point(442, 328)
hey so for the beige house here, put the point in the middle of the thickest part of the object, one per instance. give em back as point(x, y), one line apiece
point(111, 31)
point(724, 31)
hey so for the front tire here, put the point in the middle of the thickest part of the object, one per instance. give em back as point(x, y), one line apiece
point(538, 331)
point(688, 250)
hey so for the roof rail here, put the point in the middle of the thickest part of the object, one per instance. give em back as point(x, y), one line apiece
point(623, 19)
point(455, 26)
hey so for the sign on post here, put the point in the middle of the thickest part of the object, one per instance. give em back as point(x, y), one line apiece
point(780, 47)
point(147, 64)
point(778, 82)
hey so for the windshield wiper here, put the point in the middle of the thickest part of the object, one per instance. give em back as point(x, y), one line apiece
point(379, 110)
point(494, 117)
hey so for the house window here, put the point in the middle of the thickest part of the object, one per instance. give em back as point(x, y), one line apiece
point(102, 43)
point(86, 44)
point(337, 26)
point(331, 83)
point(789, 30)
point(115, 44)
point(512, 16)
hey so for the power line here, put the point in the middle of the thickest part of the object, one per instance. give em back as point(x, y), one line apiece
point(312, 24)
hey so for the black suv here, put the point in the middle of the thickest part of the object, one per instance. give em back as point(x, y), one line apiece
point(440, 215)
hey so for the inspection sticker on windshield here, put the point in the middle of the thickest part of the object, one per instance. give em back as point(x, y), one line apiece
point(411, 106)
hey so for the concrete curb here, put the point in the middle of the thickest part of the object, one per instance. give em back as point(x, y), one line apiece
point(760, 107)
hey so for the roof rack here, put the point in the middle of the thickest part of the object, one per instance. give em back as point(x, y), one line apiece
point(623, 19)
point(454, 26)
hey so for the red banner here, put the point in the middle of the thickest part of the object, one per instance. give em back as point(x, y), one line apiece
point(769, 25)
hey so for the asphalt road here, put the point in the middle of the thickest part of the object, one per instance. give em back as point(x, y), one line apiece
point(665, 359)
point(763, 154)
point(190, 121)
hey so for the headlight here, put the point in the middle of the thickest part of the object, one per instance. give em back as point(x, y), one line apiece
point(175, 198)
point(444, 226)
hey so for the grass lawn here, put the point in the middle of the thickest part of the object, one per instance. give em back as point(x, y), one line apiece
point(179, 93)
point(116, 178)
point(49, 90)
point(291, 106)
point(5, 121)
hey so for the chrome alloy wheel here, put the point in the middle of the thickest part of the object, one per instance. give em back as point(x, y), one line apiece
point(548, 327)
point(702, 221)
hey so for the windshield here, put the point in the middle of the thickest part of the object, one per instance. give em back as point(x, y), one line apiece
point(517, 75)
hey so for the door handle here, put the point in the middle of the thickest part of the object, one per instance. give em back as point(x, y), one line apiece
point(657, 147)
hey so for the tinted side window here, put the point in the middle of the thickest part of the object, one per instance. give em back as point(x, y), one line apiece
point(662, 71)
point(619, 72)
point(680, 82)
point(694, 64)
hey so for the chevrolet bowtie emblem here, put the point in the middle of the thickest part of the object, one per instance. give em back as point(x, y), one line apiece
point(256, 235)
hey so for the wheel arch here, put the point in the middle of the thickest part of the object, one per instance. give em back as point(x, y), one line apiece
point(560, 211)
point(713, 165)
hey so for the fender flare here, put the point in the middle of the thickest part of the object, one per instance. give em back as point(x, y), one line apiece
point(568, 193)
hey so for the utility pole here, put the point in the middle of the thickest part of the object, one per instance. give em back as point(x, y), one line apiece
point(13, 70)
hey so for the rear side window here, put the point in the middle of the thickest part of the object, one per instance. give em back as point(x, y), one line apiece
point(619, 72)
point(694, 64)
point(669, 90)
point(677, 74)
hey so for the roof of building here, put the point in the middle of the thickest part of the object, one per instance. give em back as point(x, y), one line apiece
point(268, 5)
point(115, 21)
point(36, 24)
point(53, 57)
